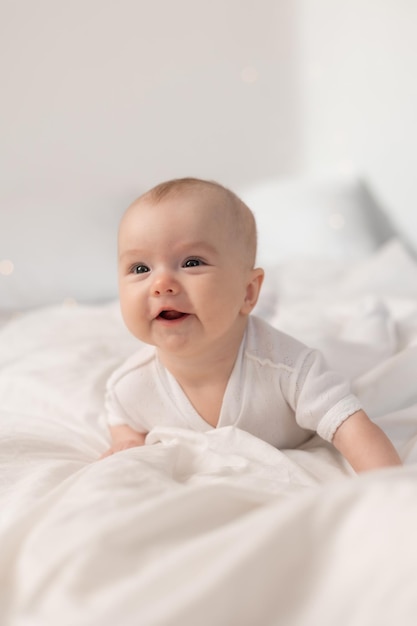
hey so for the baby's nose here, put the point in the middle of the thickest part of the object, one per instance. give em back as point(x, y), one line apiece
point(164, 284)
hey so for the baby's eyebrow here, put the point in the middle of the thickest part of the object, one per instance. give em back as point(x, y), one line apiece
point(190, 245)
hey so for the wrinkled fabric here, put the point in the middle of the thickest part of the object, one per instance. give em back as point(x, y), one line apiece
point(219, 527)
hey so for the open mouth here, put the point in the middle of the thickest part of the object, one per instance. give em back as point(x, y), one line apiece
point(171, 315)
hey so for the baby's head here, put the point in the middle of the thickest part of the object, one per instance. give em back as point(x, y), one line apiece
point(188, 246)
point(222, 207)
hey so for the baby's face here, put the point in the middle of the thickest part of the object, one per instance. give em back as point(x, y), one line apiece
point(184, 284)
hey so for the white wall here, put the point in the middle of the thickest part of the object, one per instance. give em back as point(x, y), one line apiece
point(113, 96)
point(358, 96)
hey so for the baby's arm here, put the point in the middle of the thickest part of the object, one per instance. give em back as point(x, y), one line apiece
point(123, 437)
point(363, 444)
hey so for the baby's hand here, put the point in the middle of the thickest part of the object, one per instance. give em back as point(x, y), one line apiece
point(124, 444)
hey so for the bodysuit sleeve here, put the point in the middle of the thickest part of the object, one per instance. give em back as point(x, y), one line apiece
point(115, 412)
point(322, 398)
point(126, 392)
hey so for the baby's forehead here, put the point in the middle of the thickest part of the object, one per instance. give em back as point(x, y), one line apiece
point(205, 204)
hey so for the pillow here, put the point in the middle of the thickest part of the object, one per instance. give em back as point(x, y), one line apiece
point(333, 218)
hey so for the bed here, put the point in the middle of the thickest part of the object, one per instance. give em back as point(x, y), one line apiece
point(197, 529)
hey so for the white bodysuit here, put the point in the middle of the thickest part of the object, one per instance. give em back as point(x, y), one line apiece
point(279, 390)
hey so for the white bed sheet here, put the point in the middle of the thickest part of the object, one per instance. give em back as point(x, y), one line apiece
point(218, 528)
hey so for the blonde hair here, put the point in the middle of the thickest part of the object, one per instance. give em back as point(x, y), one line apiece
point(241, 218)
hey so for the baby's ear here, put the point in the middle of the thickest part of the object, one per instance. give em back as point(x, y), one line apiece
point(253, 289)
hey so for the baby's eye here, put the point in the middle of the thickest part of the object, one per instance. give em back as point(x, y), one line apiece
point(139, 268)
point(193, 262)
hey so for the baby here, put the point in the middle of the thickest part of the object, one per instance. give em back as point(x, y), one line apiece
point(188, 284)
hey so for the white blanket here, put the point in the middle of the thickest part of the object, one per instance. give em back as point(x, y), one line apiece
point(219, 528)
